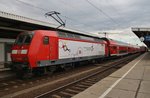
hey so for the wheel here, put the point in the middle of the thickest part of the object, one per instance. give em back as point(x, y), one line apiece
point(38, 71)
point(51, 70)
point(20, 74)
point(68, 66)
point(23, 73)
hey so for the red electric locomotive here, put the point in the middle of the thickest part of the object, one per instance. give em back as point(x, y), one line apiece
point(41, 50)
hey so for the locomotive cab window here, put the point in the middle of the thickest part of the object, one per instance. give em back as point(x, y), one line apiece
point(24, 38)
point(46, 40)
point(28, 39)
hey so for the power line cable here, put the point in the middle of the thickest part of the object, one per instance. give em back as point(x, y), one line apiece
point(113, 7)
point(101, 11)
point(28, 4)
point(71, 19)
point(31, 5)
point(71, 6)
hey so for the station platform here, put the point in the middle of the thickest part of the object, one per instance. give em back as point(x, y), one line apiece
point(1, 65)
point(131, 81)
point(2, 68)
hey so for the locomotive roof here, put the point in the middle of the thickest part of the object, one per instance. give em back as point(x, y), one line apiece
point(78, 32)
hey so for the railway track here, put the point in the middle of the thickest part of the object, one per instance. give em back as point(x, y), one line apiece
point(11, 85)
point(6, 73)
point(75, 87)
point(30, 88)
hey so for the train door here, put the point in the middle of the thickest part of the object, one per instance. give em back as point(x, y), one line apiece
point(53, 48)
point(46, 49)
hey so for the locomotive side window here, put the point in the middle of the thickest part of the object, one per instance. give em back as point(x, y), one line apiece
point(46, 40)
point(87, 38)
point(62, 34)
point(70, 35)
point(98, 40)
point(77, 36)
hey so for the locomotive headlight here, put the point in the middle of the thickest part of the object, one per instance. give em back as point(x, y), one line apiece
point(14, 52)
point(24, 51)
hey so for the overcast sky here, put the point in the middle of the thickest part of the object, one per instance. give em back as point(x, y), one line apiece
point(88, 15)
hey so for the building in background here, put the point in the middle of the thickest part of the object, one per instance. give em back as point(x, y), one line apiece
point(5, 50)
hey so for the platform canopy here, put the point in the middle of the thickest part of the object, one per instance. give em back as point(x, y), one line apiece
point(11, 25)
point(143, 34)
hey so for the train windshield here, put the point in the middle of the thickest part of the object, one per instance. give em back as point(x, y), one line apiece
point(24, 38)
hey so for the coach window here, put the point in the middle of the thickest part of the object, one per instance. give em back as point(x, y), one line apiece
point(46, 40)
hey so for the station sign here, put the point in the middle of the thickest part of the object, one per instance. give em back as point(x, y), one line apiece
point(147, 38)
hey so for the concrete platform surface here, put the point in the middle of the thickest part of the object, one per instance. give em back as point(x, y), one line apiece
point(1, 65)
point(131, 81)
point(2, 68)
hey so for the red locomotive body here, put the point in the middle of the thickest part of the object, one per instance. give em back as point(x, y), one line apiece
point(42, 50)
point(29, 47)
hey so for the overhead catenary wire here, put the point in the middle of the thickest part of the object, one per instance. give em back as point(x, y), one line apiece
point(113, 7)
point(102, 12)
point(72, 6)
point(46, 10)
point(114, 21)
point(66, 17)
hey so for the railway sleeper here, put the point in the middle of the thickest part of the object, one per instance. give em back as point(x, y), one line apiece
point(84, 83)
point(66, 94)
point(77, 88)
point(82, 86)
point(72, 90)
point(69, 91)
point(91, 82)
point(56, 96)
